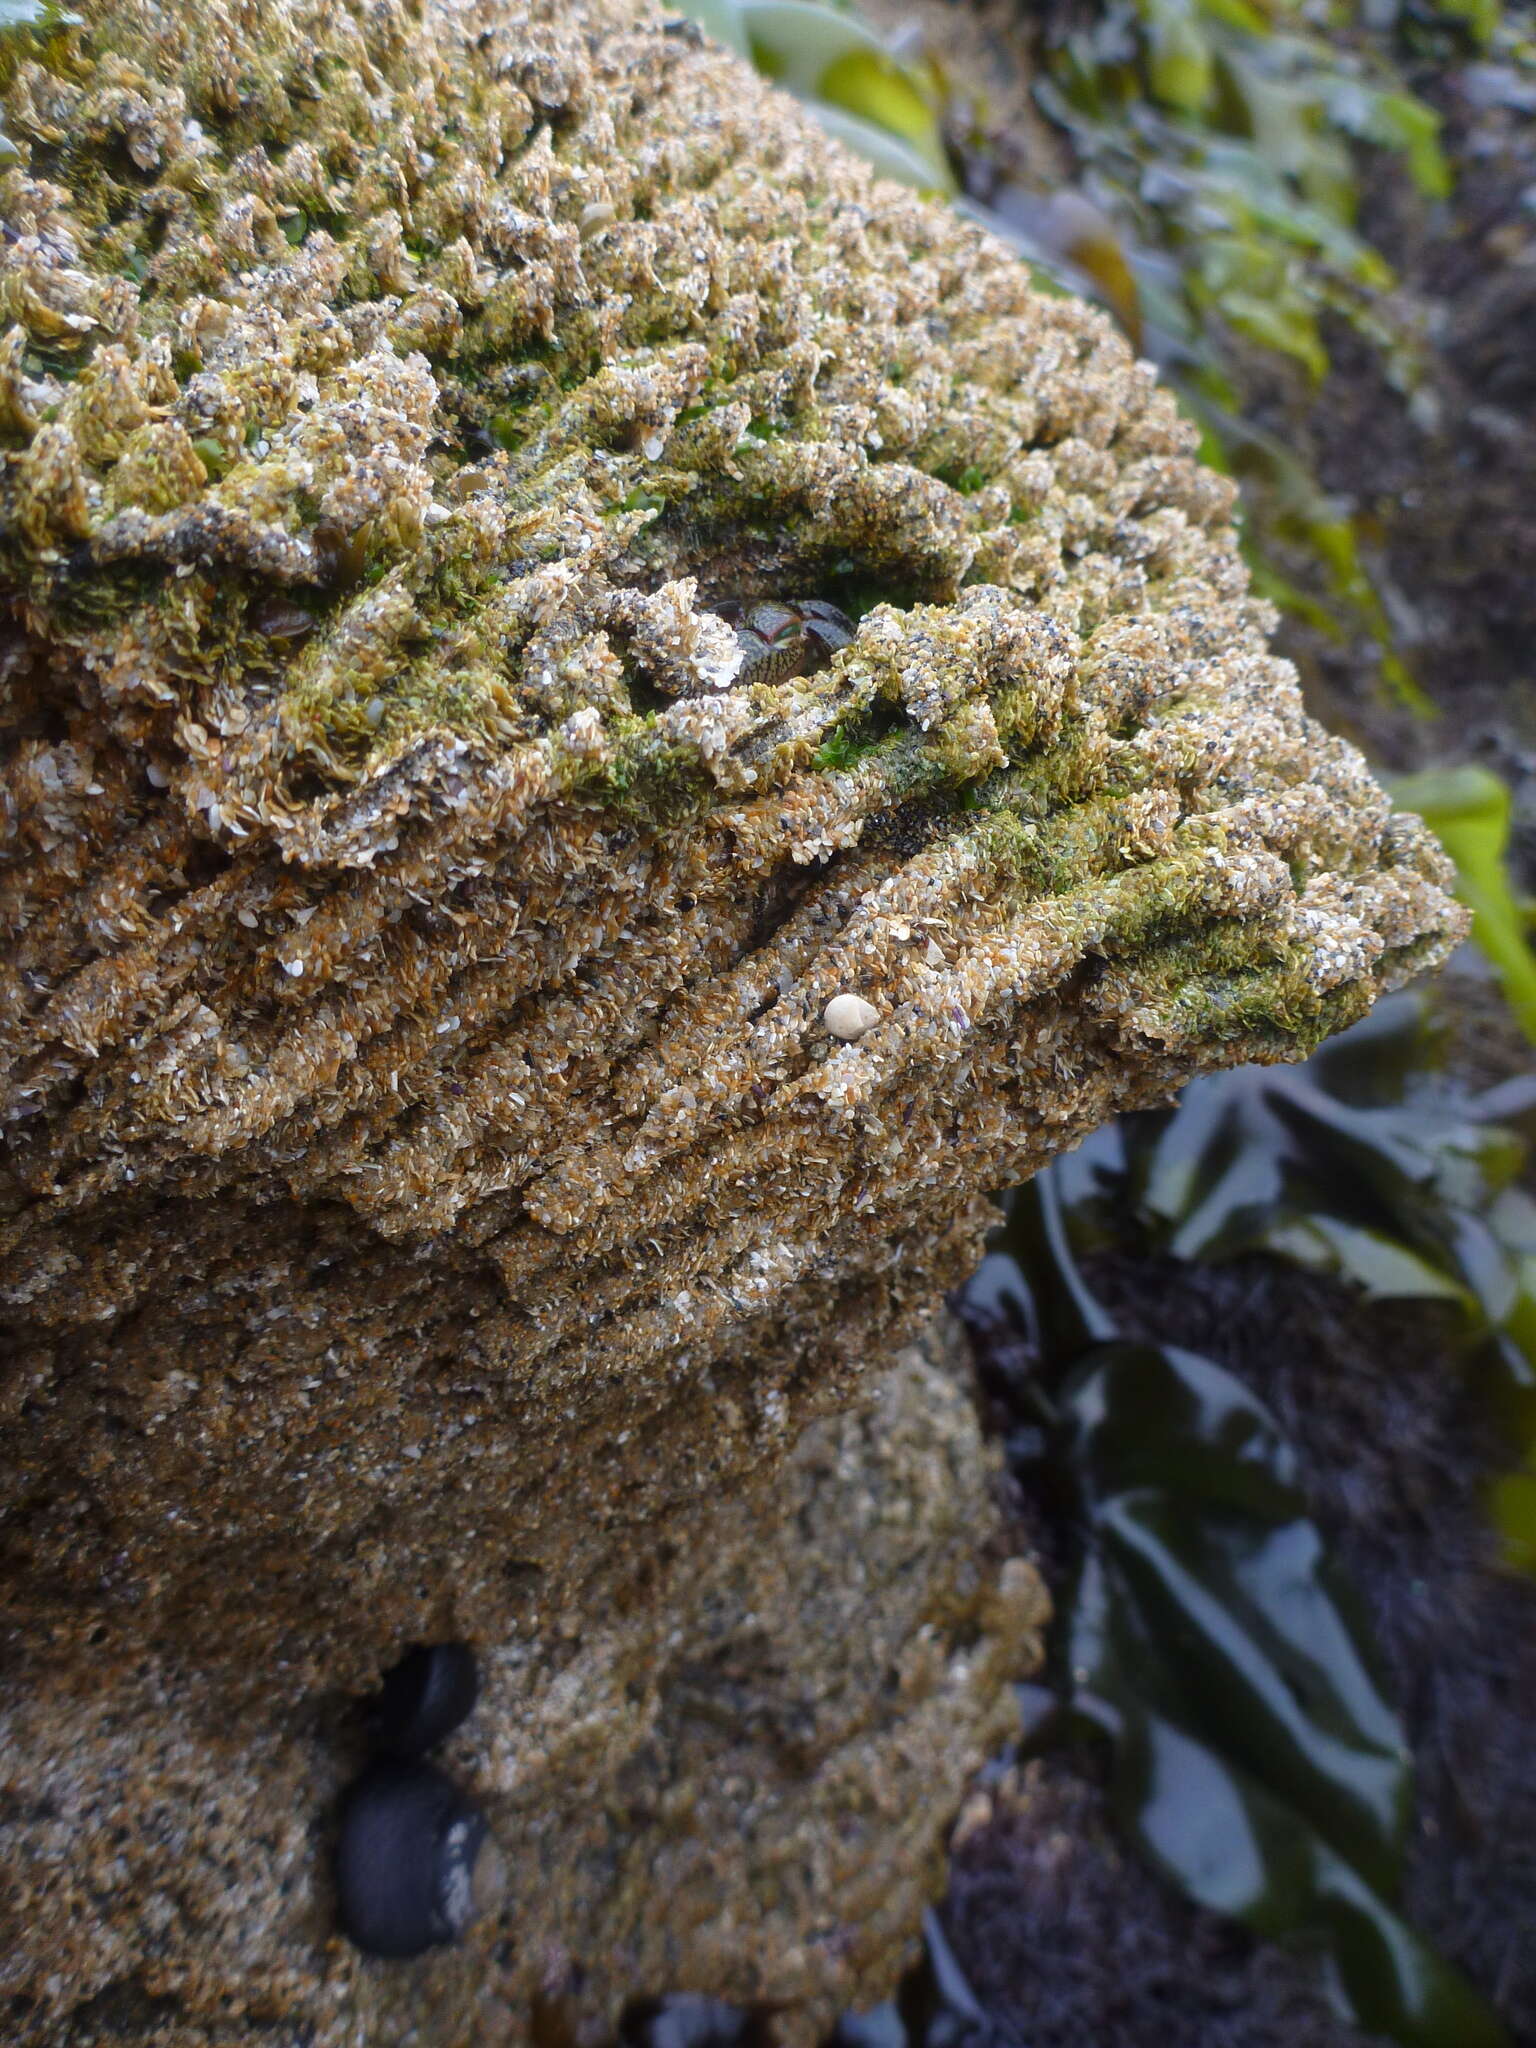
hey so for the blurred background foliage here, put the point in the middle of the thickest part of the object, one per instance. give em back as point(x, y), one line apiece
point(1469, 809)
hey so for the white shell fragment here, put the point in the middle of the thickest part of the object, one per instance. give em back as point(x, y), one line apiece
point(849, 1017)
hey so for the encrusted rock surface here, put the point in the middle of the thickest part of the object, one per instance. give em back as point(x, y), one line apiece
point(430, 1190)
point(731, 1776)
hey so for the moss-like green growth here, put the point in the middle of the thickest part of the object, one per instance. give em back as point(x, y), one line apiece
point(392, 478)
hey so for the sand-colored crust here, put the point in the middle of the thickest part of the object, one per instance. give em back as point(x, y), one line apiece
point(427, 1171)
point(734, 1778)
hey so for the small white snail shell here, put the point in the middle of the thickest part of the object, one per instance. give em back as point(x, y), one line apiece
point(849, 1017)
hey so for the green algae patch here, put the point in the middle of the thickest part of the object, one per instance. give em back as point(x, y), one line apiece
point(399, 448)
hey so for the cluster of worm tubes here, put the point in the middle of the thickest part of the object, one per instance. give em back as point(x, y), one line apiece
point(406, 413)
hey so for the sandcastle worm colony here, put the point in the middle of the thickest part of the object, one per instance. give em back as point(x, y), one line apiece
point(607, 723)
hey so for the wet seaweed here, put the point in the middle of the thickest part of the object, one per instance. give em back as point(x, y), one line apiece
point(1367, 1162)
point(1394, 1448)
point(1209, 1639)
point(1226, 145)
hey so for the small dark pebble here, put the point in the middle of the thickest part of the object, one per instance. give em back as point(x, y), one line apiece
point(423, 1699)
point(405, 1862)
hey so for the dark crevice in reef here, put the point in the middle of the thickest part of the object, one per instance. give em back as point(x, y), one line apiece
point(122, 2011)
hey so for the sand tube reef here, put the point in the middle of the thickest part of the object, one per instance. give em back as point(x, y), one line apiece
point(608, 722)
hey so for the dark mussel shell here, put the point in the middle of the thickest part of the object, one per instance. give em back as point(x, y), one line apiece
point(405, 1861)
point(423, 1699)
